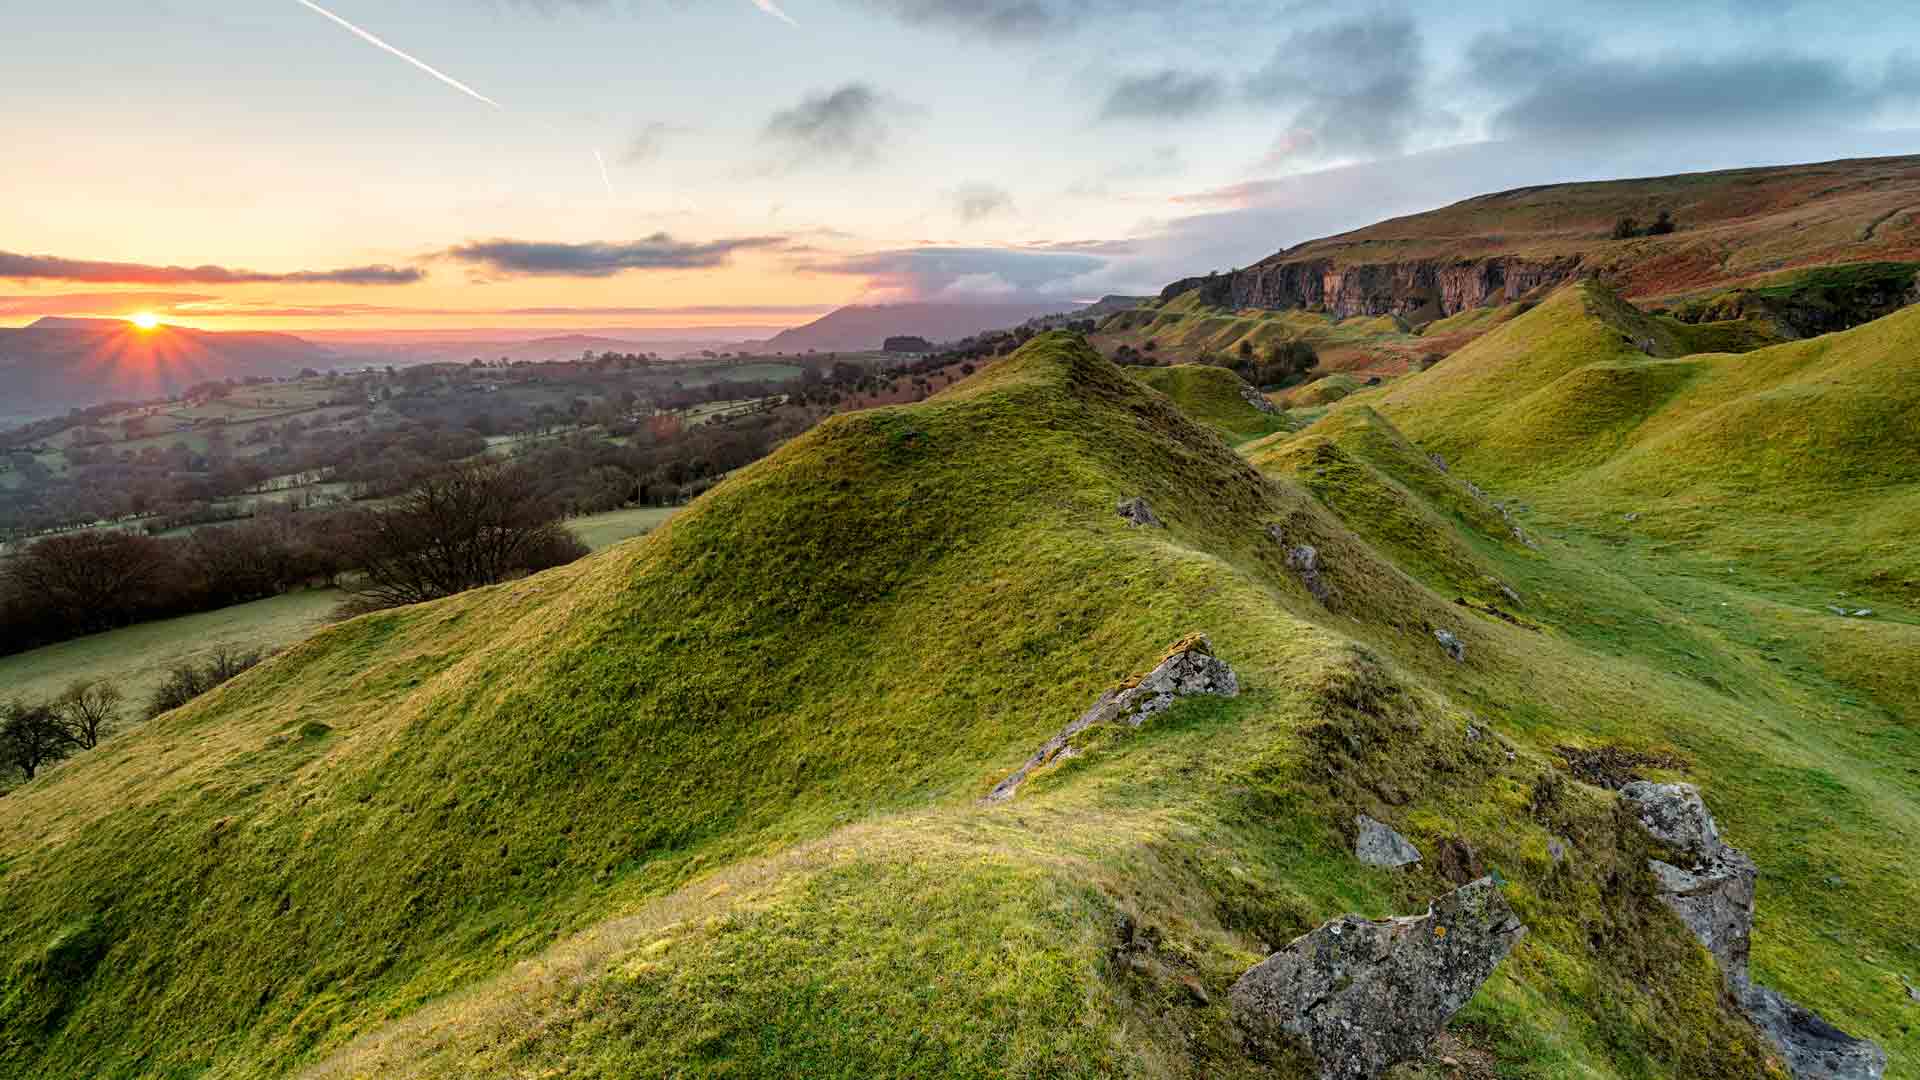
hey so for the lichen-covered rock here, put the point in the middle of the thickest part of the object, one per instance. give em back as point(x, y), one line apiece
point(1451, 642)
point(1257, 399)
point(1376, 844)
point(1189, 668)
point(1813, 1048)
point(1139, 514)
point(1363, 996)
point(1713, 892)
point(1713, 895)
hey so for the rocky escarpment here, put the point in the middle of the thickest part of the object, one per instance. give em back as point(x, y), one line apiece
point(1432, 288)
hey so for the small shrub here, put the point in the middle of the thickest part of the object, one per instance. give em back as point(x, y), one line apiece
point(189, 680)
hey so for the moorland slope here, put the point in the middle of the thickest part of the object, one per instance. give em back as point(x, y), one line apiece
point(710, 802)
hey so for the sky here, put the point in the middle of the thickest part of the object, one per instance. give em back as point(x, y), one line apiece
point(344, 164)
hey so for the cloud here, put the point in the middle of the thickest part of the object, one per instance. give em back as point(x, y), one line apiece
point(1559, 87)
point(649, 143)
point(95, 303)
point(211, 307)
point(927, 272)
point(1351, 86)
point(1168, 94)
point(849, 125)
point(995, 18)
point(976, 202)
point(524, 258)
point(54, 268)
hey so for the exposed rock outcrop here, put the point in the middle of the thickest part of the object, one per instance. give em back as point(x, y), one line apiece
point(1813, 1048)
point(1363, 995)
point(1258, 400)
point(1139, 514)
point(1304, 561)
point(1436, 287)
point(1713, 895)
point(1189, 668)
point(1376, 844)
point(1451, 642)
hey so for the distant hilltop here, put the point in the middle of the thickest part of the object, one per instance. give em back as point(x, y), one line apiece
point(1649, 238)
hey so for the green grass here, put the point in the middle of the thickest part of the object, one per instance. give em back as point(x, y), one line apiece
point(708, 802)
point(137, 658)
point(599, 531)
point(1214, 396)
point(1184, 330)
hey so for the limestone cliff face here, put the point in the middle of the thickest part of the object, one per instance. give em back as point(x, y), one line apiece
point(1435, 286)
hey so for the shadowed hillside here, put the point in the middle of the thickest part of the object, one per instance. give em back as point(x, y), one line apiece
point(710, 801)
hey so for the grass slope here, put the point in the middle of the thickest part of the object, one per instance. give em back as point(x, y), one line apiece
point(1212, 395)
point(1799, 457)
point(707, 802)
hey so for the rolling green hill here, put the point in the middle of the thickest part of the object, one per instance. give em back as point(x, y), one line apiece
point(709, 802)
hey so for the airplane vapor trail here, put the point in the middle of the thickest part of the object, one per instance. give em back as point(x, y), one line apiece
point(773, 9)
point(604, 177)
point(421, 64)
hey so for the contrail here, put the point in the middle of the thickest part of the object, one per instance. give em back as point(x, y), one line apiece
point(421, 64)
point(773, 9)
point(604, 178)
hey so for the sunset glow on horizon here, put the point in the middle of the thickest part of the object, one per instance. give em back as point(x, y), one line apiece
point(939, 152)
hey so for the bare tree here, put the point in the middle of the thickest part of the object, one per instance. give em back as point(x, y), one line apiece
point(477, 525)
point(88, 710)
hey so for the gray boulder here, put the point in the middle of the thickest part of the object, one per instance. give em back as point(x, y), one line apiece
point(1257, 399)
point(1451, 642)
point(1140, 515)
point(1813, 1048)
point(1376, 844)
point(1304, 561)
point(1713, 895)
point(1189, 668)
point(1363, 996)
point(1713, 892)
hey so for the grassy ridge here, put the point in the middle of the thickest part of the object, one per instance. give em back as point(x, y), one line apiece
point(707, 801)
point(1800, 456)
point(1214, 396)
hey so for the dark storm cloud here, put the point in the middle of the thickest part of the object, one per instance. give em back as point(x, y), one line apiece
point(1168, 94)
point(522, 258)
point(54, 268)
point(849, 125)
point(1557, 87)
point(1349, 86)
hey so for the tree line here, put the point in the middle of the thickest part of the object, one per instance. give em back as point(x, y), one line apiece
point(36, 734)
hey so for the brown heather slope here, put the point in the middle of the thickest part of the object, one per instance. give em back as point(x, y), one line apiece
point(1736, 227)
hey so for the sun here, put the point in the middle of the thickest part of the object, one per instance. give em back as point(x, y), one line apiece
point(146, 320)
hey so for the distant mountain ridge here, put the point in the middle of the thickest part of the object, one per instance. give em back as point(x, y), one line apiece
point(1732, 227)
point(61, 363)
point(860, 327)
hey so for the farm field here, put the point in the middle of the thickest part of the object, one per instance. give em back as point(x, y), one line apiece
point(599, 531)
point(137, 658)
